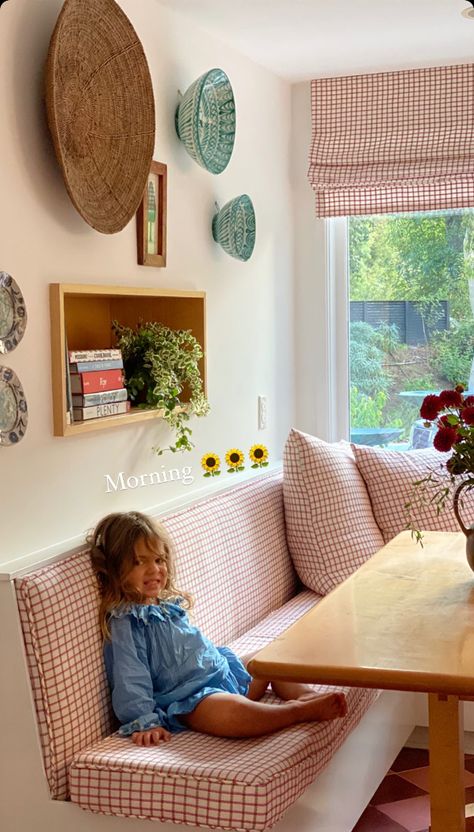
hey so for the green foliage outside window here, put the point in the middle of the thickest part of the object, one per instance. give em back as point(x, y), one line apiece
point(414, 257)
point(422, 258)
point(367, 355)
point(453, 352)
point(367, 411)
point(426, 382)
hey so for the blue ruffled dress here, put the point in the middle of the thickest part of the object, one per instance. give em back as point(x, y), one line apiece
point(160, 667)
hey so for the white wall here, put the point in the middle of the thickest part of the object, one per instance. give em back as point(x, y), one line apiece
point(312, 334)
point(53, 489)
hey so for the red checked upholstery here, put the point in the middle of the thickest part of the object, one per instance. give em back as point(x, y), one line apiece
point(232, 550)
point(208, 781)
point(58, 609)
point(389, 477)
point(232, 555)
point(330, 526)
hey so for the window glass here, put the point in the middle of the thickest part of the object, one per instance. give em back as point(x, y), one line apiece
point(411, 279)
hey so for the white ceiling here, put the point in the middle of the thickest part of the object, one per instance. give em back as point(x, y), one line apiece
point(302, 39)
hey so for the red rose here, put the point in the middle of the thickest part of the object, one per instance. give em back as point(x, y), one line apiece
point(468, 414)
point(450, 398)
point(445, 439)
point(430, 407)
point(469, 401)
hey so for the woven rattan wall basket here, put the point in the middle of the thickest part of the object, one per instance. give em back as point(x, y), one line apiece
point(101, 112)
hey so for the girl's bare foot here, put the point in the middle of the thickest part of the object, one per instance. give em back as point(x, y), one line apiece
point(319, 708)
point(233, 715)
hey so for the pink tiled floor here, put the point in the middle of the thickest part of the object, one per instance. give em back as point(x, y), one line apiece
point(401, 802)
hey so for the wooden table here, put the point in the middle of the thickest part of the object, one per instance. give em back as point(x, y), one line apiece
point(403, 621)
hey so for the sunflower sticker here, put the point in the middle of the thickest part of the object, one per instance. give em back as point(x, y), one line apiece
point(235, 460)
point(259, 456)
point(211, 464)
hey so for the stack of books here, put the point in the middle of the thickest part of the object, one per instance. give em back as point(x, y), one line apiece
point(95, 384)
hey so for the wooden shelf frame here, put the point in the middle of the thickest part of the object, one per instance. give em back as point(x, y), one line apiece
point(83, 314)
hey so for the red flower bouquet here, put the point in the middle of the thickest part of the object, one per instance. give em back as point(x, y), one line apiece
point(453, 414)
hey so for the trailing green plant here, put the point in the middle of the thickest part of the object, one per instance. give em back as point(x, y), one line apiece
point(158, 363)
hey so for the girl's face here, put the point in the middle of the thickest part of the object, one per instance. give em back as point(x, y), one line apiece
point(149, 573)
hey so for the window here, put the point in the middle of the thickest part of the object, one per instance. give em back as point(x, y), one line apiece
point(410, 306)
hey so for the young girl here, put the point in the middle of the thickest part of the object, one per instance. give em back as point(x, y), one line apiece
point(165, 675)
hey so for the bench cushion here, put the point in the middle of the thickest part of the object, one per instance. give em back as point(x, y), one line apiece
point(331, 529)
point(390, 476)
point(233, 557)
point(231, 554)
point(208, 781)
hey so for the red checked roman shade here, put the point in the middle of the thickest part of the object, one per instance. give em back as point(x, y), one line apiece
point(393, 141)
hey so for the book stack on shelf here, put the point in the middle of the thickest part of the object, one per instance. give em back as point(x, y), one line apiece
point(94, 384)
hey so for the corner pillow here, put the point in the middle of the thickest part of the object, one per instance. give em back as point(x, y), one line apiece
point(331, 529)
point(389, 477)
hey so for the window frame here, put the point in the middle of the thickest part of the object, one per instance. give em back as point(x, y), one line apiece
point(338, 319)
point(338, 323)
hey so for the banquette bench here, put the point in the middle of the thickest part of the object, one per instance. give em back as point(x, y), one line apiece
point(233, 556)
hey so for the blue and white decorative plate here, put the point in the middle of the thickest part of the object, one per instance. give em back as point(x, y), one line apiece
point(13, 408)
point(12, 313)
point(234, 227)
point(205, 120)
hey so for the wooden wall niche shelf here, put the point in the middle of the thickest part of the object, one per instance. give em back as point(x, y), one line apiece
point(83, 315)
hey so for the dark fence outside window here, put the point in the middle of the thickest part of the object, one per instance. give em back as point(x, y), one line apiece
point(413, 327)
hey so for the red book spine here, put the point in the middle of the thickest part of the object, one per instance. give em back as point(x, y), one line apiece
point(96, 381)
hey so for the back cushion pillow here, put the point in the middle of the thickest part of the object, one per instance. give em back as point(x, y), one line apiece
point(330, 526)
point(389, 477)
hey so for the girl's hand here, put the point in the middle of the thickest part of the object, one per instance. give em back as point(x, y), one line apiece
point(152, 737)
